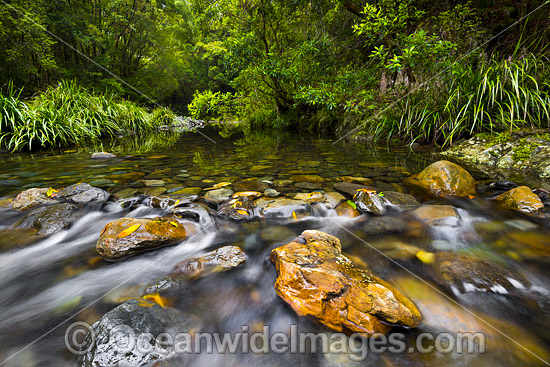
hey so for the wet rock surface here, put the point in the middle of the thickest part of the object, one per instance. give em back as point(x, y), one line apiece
point(438, 215)
point(400, 200)
point(462, 273)
point(280, 207)
point(102, 155)
point(139, 316)
point(369, 201)
point(31, 198)
point(315, 279)
point(128, 236)
point(444, 178)
point(83, 193)
point(521, 199)
point(220, 260)
point(49, 219)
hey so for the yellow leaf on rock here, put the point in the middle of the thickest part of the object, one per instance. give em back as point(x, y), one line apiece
point(175, 224)
point(425, 257)
point(294, 215)
point(128, 231)
point(242, 212)
point(158, 299)
point(51, 191)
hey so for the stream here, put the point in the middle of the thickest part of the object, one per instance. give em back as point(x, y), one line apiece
point(49, 282)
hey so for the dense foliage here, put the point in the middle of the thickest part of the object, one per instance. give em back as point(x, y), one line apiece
point(67, 113)
point(411, 69)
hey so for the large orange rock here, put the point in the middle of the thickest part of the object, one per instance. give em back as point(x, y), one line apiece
point(444, 178)
point(141, 235)
point(315, 279)
point(521, 199)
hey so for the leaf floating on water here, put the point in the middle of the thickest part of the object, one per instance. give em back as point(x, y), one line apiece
point(175, 224)
point(128, 231)
point(425, 257)
point(242, 212)
point(51, 192)
point(352, 204)
point(294, 215)
point(176, 203)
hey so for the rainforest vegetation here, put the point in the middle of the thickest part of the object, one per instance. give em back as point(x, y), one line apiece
point(415, 70)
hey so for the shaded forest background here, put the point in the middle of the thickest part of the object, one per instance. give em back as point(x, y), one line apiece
point(413, 69)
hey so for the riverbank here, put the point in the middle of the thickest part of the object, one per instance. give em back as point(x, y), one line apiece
point(522, 155)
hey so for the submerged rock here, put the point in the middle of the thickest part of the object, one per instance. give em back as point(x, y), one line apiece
point(222, 259)
point(128, 236)
point(250, 185)
point(48, 219)
point(401, 200)
point(315, 279)
point(308, 178)
point(15, 237)
point(271, 193)
point(444, 178)
point(348, 188)
point(281, 207)
point(31, 198)
point(112, 345)
point(368, 201)
point(438, 215)
point(83, 193)
point(521, 199)
point(102, 155)
point(218, 196)
point(462, 273)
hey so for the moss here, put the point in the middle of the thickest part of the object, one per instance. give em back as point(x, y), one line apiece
point(523, 150)
point(492, 139)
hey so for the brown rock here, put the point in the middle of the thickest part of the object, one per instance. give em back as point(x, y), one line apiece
point(308, 178)
point(437, 215)
point(521, 199)
point(368, 201)
point(444, 178)
point(248, 194)
point(222, 259)
point(31, 198)
point(250, 185)
point(151, 234)
point(344, 209)
point(315, 279)
point(358, 180)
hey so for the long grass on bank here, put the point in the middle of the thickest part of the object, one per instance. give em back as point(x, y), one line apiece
point(67, 114)
point(492, 96)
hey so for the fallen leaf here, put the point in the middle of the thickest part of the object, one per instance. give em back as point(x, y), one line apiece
point(158, 299)
point(175, 224)
point(128, 231)
point(352, 204)
point(425, 257)
point(176, 203)
point(51, 191)
point(242, 212)
point(294, 215)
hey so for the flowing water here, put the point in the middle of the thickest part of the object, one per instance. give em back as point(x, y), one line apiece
point(47, 284)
